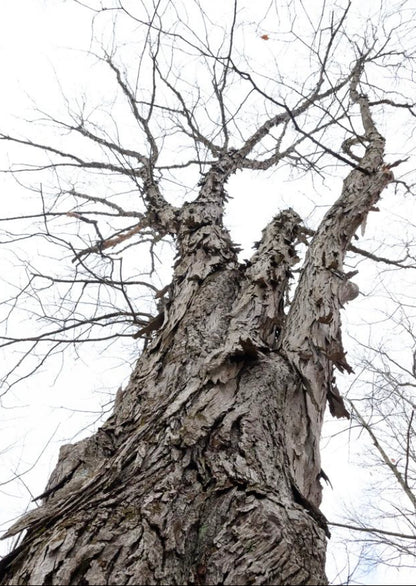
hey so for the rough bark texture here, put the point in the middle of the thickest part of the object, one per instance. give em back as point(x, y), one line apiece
point(208, 471)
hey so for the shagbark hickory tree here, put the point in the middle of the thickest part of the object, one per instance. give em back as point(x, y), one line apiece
point(208, 471)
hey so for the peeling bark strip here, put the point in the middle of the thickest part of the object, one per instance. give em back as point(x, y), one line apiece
point(208, 470)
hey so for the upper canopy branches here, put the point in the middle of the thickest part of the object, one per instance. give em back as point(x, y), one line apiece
point(192, 94)
point(197, 87)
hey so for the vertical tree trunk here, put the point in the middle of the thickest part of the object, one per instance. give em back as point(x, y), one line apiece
point(208, 471)
point(192, 479)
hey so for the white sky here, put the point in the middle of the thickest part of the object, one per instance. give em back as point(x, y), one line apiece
point(42, 42)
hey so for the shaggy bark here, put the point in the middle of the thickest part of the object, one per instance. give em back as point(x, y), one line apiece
point(208, 470)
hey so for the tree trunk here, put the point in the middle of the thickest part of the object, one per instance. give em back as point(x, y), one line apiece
point(208, 471)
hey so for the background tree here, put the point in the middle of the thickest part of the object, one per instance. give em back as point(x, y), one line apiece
point(209, 469)
point(382, 407)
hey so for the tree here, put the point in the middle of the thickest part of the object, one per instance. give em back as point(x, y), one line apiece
point(385, 414)
point(208, 470)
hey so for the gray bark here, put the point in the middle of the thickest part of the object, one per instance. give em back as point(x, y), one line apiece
point(208, 470)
